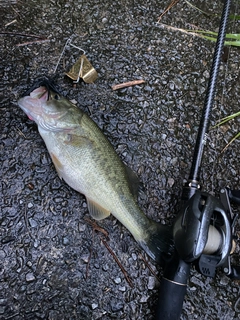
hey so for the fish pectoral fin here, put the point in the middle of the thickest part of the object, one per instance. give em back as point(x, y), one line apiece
point(96, 211)
point(76, 140)
point(58, 165)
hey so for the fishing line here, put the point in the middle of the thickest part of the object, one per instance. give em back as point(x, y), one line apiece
point(220, 110)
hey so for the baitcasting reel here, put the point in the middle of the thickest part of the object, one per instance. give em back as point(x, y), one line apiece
point(203, 233)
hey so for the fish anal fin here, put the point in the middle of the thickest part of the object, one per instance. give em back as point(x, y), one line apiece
point(134, 183)
point(58, 165)
point(96, 211)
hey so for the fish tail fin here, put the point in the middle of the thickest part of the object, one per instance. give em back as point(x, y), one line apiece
point(158, 242)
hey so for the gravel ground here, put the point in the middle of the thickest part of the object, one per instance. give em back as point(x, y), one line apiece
point(53, 266)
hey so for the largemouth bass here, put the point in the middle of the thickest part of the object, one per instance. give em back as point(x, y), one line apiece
point(87, 162)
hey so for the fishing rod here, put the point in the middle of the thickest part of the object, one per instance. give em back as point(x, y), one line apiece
point(203, 230)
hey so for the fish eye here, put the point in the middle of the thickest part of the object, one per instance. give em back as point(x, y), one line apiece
point(56, 97)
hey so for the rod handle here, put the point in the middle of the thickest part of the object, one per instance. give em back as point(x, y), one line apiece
point(172, 289)
point(170, 300)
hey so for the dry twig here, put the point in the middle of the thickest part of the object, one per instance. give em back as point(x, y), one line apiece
point(149, 267)
point(22, 35)
point(95, 226)
point(32, 42)
point(180, 29)
point(21, 133)
point(127, 84)
point(11, 22)
point(119, 263)
point(38, 38)
point(172, 4)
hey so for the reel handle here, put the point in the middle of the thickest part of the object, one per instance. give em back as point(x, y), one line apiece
point(234, 195)
point(203, 227)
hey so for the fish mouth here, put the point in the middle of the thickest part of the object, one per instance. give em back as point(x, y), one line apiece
point(41, 93)
point(31, 104)
point(46, 82)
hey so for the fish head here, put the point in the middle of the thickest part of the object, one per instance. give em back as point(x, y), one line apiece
point(49, 109)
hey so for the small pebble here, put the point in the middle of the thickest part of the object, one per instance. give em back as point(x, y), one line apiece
point(134, 256)
point(81, 227)
point(237, 305)
point(2, 255)
point(8, 239)
point(151, 283)
point(65, 241)
point(3, 301)
point(116, 306)
point(94, 306)
point(29, 264)
point(170, 182)
point(224, 280)
point(144, 299)
point(122, 289)
point(2, 309)
point(22, 289)
point(117, 280)
point(193, 289)
point(36, 243)
point(105, 267)
point(30, 277)
point(85, 257)
point(33, 223)
point(206, 74)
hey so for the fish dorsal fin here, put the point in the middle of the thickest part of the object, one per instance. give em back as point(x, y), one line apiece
point(58, 165)
point(134, 184)
point(96, 211)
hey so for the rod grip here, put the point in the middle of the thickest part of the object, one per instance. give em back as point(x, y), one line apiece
point(170, 300)
point(172, 289)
